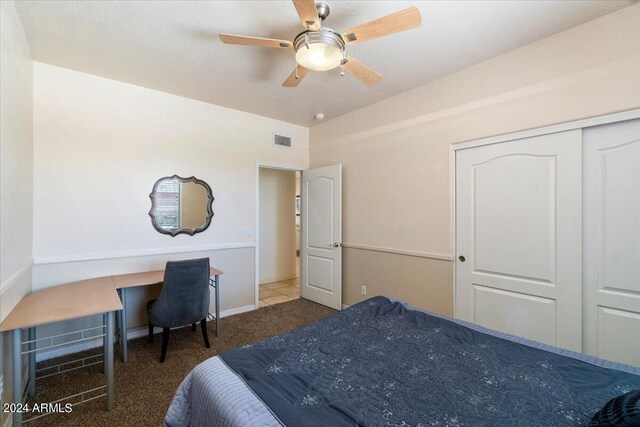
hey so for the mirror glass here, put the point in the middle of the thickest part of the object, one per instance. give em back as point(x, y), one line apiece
point(181, 205)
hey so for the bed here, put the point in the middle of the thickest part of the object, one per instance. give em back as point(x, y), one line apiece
point(383, 363)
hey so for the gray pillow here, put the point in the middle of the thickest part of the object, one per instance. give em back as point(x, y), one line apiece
point(621, 411)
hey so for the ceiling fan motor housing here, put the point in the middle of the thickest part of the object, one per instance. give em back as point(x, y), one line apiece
point(323, 10)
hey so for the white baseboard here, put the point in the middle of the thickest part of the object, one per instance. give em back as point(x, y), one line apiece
point(237, 310)
point(132, 333)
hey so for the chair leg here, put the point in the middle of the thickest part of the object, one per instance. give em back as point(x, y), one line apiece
point(203, 326)
point(150, 333)
point(165, 343)
point(193, 327)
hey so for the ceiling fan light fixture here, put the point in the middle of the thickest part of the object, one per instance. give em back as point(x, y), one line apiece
point(319, 50)
point(322, 49)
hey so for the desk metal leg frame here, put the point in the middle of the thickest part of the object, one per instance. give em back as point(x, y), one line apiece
point(104, 344)
point(17, 374)
point(32, 362)
point(18, 344)
point(123, 324)
point(116, 340)
point(109, 358)
point(216, 280)
point(215, 284)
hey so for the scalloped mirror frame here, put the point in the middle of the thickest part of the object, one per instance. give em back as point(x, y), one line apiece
point(189, 231)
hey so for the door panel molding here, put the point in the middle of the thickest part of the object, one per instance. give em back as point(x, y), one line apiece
point(526, 315)
point(531, 172)
point(615, 326)
point(515, 276)
point(524, 286)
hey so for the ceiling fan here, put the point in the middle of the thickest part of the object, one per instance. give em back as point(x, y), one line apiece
point(320, 49)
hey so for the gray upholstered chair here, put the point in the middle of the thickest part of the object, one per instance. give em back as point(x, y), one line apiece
point(184, 300)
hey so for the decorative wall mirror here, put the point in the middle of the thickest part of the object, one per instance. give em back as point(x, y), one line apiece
point(181, 205)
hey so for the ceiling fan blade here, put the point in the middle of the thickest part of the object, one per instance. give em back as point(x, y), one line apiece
point(396, 22)
point(254, 41)
point(361, 72)
point(295, 77)
point(308, 14)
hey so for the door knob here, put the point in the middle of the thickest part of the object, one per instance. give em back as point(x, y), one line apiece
point(337, 245)
point(462, 258)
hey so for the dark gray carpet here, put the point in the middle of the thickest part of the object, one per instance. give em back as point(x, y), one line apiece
point(144, 387)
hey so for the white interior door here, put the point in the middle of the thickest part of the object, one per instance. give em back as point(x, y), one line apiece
point(612, 241)
point(518, 230)
point(322, 235)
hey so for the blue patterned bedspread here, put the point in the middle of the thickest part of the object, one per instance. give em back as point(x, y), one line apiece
point(378, 363)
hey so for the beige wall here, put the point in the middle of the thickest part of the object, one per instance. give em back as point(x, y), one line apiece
point(16, 184)
point(395, 154)
point(99, 147)
point(277, 225)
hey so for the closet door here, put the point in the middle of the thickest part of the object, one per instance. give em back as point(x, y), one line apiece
point(612, 241)
point(519, 237)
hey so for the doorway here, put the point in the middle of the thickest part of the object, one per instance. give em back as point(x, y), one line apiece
point(278, 272)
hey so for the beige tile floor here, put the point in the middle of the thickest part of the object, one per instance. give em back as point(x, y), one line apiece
point(277, 292)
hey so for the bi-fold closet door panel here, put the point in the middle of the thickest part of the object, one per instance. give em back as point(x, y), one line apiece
point(612, 241)
point(519, 233)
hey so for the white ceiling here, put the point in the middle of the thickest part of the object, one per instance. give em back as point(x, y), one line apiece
point(173, 46)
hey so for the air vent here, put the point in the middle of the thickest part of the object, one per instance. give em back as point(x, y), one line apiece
point(281, 141)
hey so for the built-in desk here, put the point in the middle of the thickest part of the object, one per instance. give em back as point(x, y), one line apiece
point(63, 302)
point(124, 281)
point(72, 301)
point(56, 304)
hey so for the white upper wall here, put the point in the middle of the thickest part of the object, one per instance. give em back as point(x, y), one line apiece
point(16, 179)
point(16, 157)
point(100, 145)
